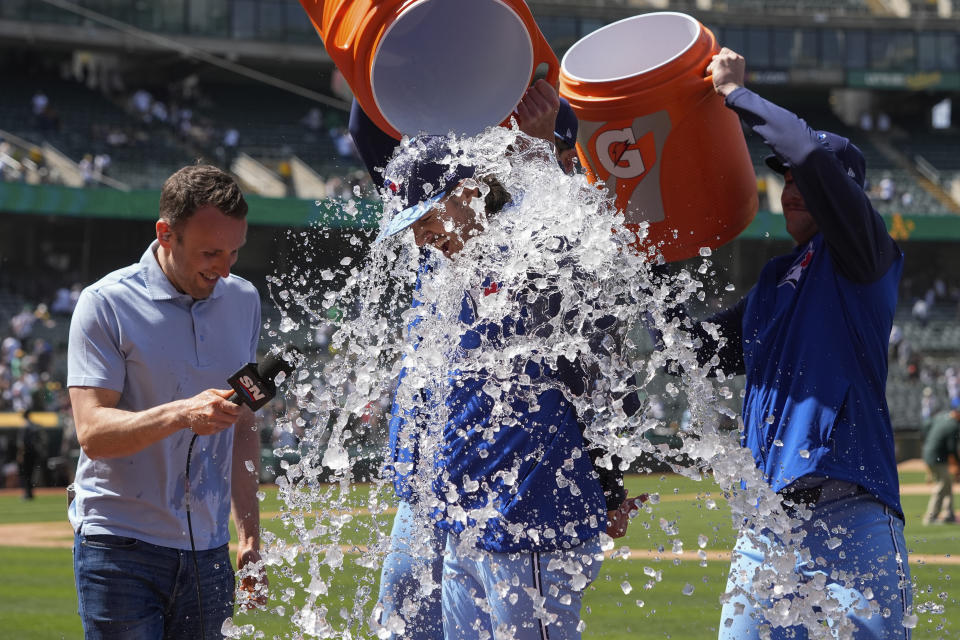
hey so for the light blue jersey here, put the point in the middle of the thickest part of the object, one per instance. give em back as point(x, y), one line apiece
point(134, 333)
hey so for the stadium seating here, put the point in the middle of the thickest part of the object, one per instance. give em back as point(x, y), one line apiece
point(268, 121)
point(84, 118)
point(938, 148)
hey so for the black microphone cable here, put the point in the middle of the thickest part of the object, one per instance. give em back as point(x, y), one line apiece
point(193, 546)
point(265, 375)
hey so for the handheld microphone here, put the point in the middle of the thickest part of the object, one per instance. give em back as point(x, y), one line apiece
point(255, 385)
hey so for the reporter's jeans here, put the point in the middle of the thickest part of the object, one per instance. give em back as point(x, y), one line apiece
point(130, 589)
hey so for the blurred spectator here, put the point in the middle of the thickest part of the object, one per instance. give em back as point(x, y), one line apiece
point(929, 404)
point(65, 300)
point(45, 116)
point(334, 186)
point(8, 348)
point(31, 446)
point(866, 121)
point(323, 334)
point(342, 141)
point(906, 199)
point(913, 366)
point(141, 102)
point(200, 133)
point(31, 380)
point(883, 122)
point(286, 433)
point(952, 381)
point(10, 168)
point(228, 149)
point(231, 138)
point(39, 103)
point(117, 138)
point(920, 311)
point(184, 121)
point(190, 89)
point(313, 120)
point(940, 289)
point(23, 388)
point(762, 196)
point(101, 165)
point(22, 323)
point(285, 171)
point(86, 169)
point(939, 445)
point(159, 113)
point(900, 348)
point(887, 188)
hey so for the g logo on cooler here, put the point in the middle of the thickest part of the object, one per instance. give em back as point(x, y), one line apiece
point(618, 154)
point(626, 156)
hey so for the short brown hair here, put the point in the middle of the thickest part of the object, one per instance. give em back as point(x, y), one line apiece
point(197, 186)
point(497, 197)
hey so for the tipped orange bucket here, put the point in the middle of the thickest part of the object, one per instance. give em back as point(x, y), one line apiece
point(653, 130)
point(434, 66)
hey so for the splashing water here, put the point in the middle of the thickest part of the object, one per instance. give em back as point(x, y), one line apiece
point(561, 245)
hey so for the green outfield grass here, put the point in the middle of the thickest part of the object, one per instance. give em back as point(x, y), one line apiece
point(43, 508)
point(37, 598)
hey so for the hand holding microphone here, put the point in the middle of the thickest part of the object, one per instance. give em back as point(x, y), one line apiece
point(210, 412)
point(214, 410)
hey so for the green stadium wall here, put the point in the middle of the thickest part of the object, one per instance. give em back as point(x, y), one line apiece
point(58, 200)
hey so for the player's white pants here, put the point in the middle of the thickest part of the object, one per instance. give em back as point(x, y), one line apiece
point(858, 559)
point(410, 578)
point(522, 596)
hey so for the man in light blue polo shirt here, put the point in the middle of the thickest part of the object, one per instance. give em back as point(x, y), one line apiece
point(151, 347)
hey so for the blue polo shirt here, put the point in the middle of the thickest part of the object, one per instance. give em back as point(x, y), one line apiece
point(134, 333)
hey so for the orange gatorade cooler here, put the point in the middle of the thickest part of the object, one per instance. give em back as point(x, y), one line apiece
point(434, 66)
point(653, 130)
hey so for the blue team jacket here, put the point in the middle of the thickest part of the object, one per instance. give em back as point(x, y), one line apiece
point(536, 473)
point(812, 334)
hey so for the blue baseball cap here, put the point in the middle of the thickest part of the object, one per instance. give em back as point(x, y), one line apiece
point(420, 177)
point(566, 124)
point(850, 157)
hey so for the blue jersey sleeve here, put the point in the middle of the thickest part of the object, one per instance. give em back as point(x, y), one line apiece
point(374, 146)
point(727, 343)
point(720, 335)
point(855, 234)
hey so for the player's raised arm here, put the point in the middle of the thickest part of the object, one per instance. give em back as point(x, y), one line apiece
point(827, 170)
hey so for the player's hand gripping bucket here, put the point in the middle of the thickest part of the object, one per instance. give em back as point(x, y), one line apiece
point(434, 66)
point(655, 132)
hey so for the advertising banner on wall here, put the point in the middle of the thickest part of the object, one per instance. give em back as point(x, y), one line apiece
point(898, 80)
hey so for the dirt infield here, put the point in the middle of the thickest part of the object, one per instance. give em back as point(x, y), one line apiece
point(58, 535)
